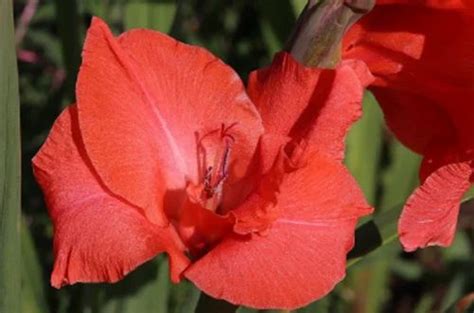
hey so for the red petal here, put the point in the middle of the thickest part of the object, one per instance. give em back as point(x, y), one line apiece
point(441, 4)
point(195, 91)
point(417, 122)
point(408, 36)
point(199, 227)
point(302, 256)
point(98, 237)
point(142, 101)
point(419, 80)
point(268, 148)
point(438, 155)
point(430, 215)
point(314, 104)
point(258, 212)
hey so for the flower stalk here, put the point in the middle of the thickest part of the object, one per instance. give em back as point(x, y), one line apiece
point(316, 39)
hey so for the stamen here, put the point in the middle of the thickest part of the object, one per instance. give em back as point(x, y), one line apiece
point(216, 174)
point(214, 179)
point(208, 189)
point(226, 156)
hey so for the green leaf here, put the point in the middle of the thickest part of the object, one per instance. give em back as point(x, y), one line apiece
point(10, 206)
point(367, 239)
point(184, 297)
point(469, 194)
point(33, 298)
point(385, 232)
point(364, 145)
point(455, 291)
point(399, 180)
point(425, 304)
point(158, 15)
point(146, 289)
point(208, 304)
point(401, 177)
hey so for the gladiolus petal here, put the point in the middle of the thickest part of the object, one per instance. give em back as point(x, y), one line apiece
point(315, 105)
point(97, 236)
point(301, 256)
point(430, 214)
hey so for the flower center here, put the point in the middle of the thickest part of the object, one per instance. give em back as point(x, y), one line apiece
point(214, 151)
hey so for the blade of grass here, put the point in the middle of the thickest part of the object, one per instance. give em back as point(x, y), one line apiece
point(33, 297)
point(399, 180)
point(10, 255)
point(364, 145)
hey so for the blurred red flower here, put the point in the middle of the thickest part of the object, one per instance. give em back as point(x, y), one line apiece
point(421, 53)
point(165, 151)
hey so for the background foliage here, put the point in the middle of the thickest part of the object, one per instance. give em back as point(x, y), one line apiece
point(48, 38)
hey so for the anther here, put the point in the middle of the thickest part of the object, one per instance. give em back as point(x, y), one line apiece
point(208, 188)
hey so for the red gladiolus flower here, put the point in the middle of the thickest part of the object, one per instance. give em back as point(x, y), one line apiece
point(421, 53)
point(165, 151)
